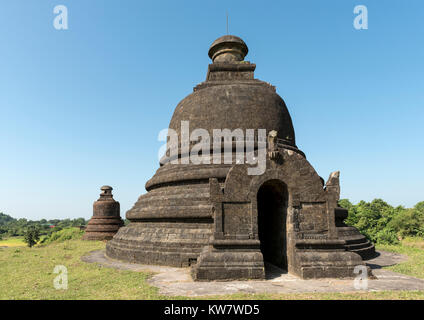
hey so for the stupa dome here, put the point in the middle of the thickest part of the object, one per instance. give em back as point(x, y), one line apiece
point(231, 98)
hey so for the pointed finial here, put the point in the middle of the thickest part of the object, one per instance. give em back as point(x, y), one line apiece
point(227, 22)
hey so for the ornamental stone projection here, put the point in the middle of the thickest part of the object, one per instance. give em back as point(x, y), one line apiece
point(224, 222)
point(106, 219)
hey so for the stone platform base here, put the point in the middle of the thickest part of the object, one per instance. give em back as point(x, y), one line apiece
point(178, 282)
point(228, 265)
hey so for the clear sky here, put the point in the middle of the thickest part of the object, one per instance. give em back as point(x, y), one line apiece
point(82, 107)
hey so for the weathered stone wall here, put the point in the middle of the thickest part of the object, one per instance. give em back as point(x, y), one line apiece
point(313, 219)
point(169, 225)
point(175, 244)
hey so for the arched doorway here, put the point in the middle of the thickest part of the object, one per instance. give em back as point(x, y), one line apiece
point(272, 199)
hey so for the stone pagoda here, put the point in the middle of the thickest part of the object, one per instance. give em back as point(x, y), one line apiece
point(219, 219)
point(106, 218)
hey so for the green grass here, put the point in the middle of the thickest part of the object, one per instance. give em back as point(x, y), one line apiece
point(27, 273)
point(414, 249)
point(12, 242)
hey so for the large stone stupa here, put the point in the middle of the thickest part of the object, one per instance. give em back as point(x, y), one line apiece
point(218, 218)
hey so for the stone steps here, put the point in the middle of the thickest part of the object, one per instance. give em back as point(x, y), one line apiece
point(357, 246)
point(356, 242)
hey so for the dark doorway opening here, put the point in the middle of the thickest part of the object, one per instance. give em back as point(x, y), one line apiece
point(272, 214)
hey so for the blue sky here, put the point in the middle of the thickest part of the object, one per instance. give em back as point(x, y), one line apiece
point(82, 107)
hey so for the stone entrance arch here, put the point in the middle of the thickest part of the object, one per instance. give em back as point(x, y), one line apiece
point(284, 183)
point(272, 205)
point(284, 216)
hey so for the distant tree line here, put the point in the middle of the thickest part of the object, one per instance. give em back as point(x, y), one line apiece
point(377, 220)
point(384, 224)
point(11, 227)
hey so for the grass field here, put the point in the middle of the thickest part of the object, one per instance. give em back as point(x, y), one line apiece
point(414, 249)
point(27, 273)
point(12, 242)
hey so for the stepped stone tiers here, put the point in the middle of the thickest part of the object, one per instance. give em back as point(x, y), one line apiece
point(106, 218)
point(220, 219)
point(355, 241)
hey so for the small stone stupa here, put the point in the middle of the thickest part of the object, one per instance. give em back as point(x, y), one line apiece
point(216, 217)
point(106, 218)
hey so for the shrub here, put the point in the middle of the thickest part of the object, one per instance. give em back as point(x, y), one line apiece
point(386, 236)
point(63, 235)
point(383, 224)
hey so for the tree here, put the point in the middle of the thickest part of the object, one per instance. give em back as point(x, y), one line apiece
point(31, 236)
point(4, 219)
